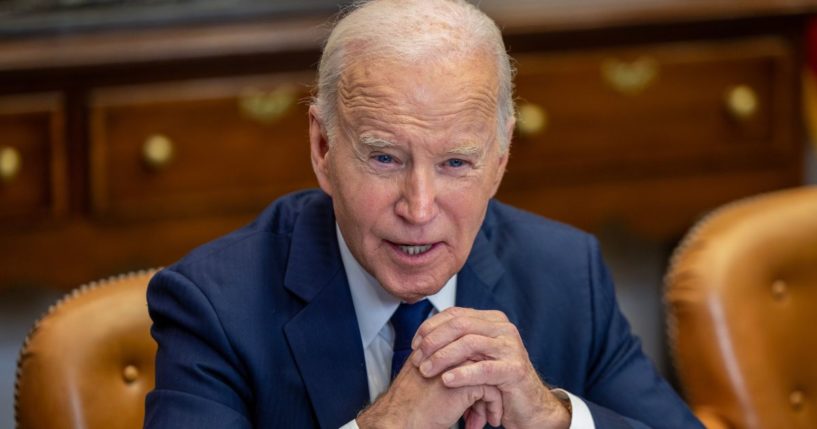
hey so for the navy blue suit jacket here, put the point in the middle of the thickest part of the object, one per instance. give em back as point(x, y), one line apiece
point(257, 329)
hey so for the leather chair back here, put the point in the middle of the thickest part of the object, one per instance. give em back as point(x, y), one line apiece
point(742, 306)
point(89, 362)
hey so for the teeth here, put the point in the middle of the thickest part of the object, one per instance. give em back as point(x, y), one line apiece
point(415, 250)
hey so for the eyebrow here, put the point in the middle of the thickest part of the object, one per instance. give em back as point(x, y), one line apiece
point(375, 143)
point(467, 150)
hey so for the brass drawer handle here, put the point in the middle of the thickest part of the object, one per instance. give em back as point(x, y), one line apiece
point(267, 106)
point(532, 120)
point(157, 151)
point(630, 78)
point(10, 164)
point(741, 102)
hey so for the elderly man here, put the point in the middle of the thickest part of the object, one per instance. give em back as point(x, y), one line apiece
point(401, 295)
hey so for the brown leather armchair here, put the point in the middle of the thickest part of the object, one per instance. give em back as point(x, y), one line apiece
point(89, 362)
point(742, 305)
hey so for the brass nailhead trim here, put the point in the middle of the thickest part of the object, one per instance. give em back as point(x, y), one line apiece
point(130, 374)
point(779, 289)
point(796, 399)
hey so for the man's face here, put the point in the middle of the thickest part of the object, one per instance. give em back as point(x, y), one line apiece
point(414, 162)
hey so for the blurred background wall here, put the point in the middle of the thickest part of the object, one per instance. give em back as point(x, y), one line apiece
point(132, 131)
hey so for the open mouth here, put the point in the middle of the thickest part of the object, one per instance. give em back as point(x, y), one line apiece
point(414, 250)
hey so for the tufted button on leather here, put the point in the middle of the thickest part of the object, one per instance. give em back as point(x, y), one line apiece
point(130, 373)
point(796, 399)
point(779, 289)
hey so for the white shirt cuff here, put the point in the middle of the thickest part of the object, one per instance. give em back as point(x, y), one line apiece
point(351, 425)
point(582, 419)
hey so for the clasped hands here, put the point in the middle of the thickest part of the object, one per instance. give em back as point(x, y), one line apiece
point(472, 364)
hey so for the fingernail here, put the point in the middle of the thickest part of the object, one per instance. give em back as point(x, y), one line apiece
point(416, 342)
point(425, 368)
point(448, 377)
point(417, 357)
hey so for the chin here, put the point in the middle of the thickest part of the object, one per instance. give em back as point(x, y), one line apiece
point(411, 290)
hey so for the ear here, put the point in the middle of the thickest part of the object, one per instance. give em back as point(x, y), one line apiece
point(319, 150)
point(503, 157)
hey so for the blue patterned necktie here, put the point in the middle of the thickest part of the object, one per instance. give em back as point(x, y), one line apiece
point(405, 321)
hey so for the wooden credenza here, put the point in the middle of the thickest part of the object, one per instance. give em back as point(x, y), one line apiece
point(124, 149)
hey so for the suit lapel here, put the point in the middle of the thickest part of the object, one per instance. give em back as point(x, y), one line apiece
point(324, 337)
point(478, 278)
point(478, 281)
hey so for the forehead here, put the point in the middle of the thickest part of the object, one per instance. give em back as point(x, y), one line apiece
point(451, 95)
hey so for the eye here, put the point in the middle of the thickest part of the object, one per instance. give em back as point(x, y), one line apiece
point(384, 159)
point(455, 163)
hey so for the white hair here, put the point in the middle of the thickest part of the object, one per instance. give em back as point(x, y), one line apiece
point(412, 31)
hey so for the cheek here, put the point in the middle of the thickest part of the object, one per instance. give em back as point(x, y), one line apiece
point(365, 203)
point(466, 208)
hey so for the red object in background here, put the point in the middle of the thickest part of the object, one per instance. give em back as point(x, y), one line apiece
point(810, 83)
point(811, 46)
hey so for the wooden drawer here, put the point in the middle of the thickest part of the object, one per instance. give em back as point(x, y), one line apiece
point(198, 147)
point(32, 157)
point(654, 110)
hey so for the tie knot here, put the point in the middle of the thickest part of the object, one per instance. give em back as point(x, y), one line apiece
point(405, 322)
point(407, 318)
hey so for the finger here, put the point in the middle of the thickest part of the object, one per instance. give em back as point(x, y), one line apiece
point(455, 328)
point(485, 405)
point(453, 312)
point(487, 372)
point(432, 322)
point(493, 405)
point(476, 417)
point(467, 348)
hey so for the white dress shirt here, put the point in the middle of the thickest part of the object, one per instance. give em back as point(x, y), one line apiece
point(374, 307)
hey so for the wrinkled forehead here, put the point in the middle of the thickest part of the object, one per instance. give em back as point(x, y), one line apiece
point(428, 89)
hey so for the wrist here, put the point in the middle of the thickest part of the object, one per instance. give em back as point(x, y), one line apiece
point(379, 415)
point(371, 418)
point(563, 412)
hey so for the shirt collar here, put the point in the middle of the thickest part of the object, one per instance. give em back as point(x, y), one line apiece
point(374, 306)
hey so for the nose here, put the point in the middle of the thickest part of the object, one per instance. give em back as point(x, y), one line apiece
point(418, 200)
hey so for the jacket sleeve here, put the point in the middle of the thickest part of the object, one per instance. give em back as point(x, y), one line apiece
point(199, 380)
point(620, 377)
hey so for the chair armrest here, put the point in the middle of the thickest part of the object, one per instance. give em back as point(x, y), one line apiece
point(710, 418)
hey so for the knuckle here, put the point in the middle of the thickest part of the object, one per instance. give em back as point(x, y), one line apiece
point(454, 311)
point(469, 339)
point(430, 343)
point(499, 315)
point(475, 393)
point(511, 330)
point(471, 342)
point(460, 324)
point(441, 356)
point(510, 343)
point(517, 370)
point(488, 370)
